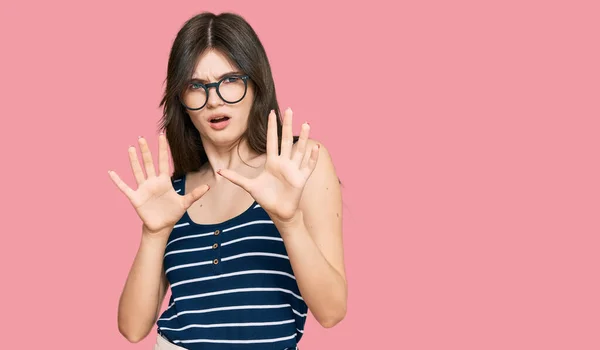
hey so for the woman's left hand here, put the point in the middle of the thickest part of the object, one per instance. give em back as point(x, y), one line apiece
point(279, 187)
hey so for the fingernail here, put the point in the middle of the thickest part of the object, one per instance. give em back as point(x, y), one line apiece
point(272, 111)
point(162, 133)
point(139, 137)
point(289, 109)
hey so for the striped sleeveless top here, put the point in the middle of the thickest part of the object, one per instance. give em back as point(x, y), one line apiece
point(232, 285)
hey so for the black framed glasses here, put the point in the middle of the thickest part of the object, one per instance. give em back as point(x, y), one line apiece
point(231, 89)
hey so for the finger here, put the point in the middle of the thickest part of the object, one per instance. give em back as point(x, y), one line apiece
point(122, 186)
point(197, 193)
point(138, 173)
point(163, 155)
point(287, 137)
point(236, 178)
point(272, 143)
point(301, 145)
point(147, 157)
point(310, 160)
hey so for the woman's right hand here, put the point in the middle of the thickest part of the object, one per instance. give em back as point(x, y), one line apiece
point(155, 200)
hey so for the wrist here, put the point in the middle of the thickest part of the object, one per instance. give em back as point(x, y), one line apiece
point(160, 235)
point(289, 224)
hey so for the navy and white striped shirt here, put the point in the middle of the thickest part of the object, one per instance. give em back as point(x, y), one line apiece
point(232, 285)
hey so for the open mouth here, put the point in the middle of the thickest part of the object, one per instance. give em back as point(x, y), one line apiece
point(219, 119)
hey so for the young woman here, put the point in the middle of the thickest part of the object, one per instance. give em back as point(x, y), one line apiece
point(247, 232)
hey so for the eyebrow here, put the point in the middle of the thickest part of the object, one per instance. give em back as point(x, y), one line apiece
point(218, 78)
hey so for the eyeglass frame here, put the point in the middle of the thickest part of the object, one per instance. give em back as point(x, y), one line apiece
point(216, 85)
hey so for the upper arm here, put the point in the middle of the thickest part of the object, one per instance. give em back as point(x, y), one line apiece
point(321, 206)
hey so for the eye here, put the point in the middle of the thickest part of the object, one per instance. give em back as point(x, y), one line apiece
point(195, 86)
point(232, 79)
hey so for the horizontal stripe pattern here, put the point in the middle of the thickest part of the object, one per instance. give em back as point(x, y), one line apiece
point(242, 324)
point(231, 283)
point(251, 341)
point(239, 307)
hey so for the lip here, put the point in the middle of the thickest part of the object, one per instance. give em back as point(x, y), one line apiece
point(219, 125)
point(217, 115)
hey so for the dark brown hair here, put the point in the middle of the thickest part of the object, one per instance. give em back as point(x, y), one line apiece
point(233, 37)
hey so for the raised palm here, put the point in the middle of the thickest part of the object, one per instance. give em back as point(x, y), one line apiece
point(279, 187)
point(155, 200)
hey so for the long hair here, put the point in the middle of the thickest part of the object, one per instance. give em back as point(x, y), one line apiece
point(233, 37)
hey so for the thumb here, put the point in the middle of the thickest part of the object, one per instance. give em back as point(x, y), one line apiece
point(193, 196)
point(235, 178)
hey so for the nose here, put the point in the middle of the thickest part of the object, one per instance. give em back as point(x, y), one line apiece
point(213, 98)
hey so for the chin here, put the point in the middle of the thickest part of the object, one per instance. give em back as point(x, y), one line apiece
point(223, 137)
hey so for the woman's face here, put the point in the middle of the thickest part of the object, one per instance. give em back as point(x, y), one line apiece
point(219, 122)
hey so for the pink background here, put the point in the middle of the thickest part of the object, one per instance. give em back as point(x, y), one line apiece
point(465, 133)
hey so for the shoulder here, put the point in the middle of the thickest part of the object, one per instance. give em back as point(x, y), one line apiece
point(325, 164)
point(323, 181)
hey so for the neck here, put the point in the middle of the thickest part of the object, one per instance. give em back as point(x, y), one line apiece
point(228, 156)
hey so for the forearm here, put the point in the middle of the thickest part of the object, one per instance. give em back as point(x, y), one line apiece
point(142, 291)
point(323, 288)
